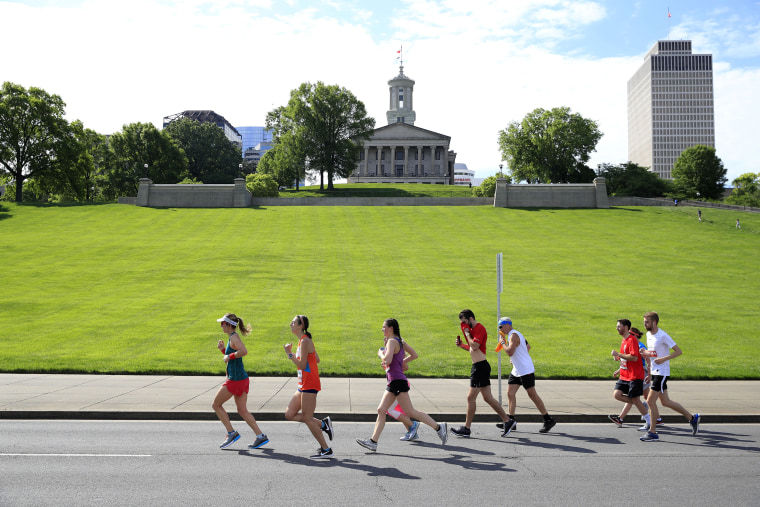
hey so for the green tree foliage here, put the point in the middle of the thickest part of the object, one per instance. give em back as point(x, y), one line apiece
point(550, 146)
point(698, 172)
point(136, 145)
point(211, 157)
point(631, 179)
point(487, 187)
point(35, 139)
point(323, 124)
point(746, 190)
point(261, 185)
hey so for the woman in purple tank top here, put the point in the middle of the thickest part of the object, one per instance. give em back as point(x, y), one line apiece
point(393, 359)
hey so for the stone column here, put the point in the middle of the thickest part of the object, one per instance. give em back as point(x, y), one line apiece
point(366, 162)
point(406, 161)
point(602, 199)
point(379, 162)
point(393, 161)
point(242, 197)
point(143, 192)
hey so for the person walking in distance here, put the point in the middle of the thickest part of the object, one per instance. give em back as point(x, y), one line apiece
point(237, 383)
point(630, 385)
point(659, 345)
point(475, 335)
point(523, 374)
point(393, 358)
point(304, 402)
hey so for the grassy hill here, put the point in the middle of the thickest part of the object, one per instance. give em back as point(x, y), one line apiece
point(116, 288)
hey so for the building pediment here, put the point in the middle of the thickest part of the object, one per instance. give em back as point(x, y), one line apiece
point(406, 132)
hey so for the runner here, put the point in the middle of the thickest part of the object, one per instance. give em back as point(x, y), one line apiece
point(630, 386)
point(480, 374)
point(659, 344)
point(398, 386)
point(523, 374)
point(304, 402)
point(237, 382)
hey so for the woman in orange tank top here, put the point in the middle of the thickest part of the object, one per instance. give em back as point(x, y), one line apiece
point(304, 402)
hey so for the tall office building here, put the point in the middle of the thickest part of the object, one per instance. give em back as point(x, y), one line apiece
point(670, 106)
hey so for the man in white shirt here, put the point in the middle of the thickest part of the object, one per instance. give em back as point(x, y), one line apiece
point(659, 345)
point(523, 374)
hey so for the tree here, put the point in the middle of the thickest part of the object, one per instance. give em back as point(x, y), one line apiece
point(33, 133)
point(211, 157)
point(698, 172)
point(631, 179)
point(746, 190)
point(140, 144)
point(487, 187)
point(550, 146)
point(323, 126)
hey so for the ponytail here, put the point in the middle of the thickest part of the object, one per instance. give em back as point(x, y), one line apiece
point(305, 323)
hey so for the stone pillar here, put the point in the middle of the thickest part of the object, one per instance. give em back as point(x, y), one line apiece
point(366, 162)
point(602, 199)
point(143, 192)
point(379, 162)
point(500, 197)
point(406, 161)
point(242, 197)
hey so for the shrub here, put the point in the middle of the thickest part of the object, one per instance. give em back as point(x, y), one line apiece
point(261, 185)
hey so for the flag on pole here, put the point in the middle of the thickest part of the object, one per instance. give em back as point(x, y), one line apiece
point(668, 11)
point(399, 52)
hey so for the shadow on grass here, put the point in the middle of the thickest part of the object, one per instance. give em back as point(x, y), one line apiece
point(63, 204)
point(4, 212)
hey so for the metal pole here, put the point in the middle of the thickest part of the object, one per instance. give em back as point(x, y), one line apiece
point(498, 309)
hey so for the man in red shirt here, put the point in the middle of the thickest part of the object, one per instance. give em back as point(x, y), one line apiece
point(630, 385)
point(476, 335)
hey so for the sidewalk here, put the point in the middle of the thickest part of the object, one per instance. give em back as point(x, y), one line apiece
point(151, 397)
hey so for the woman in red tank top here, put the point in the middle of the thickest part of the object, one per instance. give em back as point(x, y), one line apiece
point(304, 402)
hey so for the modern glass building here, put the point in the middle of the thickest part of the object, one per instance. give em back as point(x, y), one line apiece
point(253, 136)
point(670, 106)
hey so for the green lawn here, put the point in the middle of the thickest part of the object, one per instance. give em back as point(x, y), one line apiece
point(116, 288)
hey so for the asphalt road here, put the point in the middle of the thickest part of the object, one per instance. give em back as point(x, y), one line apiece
point(180, 463)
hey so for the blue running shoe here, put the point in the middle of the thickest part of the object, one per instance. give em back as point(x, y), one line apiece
point(695, 424)
point(231, 439)
point(650, 437)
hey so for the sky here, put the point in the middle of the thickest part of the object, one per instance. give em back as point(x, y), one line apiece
point(478, 65)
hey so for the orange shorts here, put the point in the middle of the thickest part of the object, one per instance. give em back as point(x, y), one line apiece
point(237, 387)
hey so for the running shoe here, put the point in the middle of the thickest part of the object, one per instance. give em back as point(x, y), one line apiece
point(645, 427)
point(231, 439)
point(548, 424)
point(695, 424)
point(462, 431)
point(327, 426)
point(650, 437)
point(514, 425)
point(412, 433)
point(260, 441)
point(443, 432)
point(367, 444)
point(616, 419)
point(508, 427)
point(323, 454)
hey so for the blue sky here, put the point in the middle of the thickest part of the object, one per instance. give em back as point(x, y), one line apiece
point(478, 65)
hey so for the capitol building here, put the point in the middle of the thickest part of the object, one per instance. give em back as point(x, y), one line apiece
point(401, 152)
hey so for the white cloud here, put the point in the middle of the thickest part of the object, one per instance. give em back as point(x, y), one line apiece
point(478, 65)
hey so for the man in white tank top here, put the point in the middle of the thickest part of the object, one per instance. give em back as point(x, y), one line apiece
point(523, 374)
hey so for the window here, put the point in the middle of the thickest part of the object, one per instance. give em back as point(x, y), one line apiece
point(399, 155)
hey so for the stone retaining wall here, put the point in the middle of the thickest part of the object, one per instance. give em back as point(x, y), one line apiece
point(193, 196)
point(565, 195)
